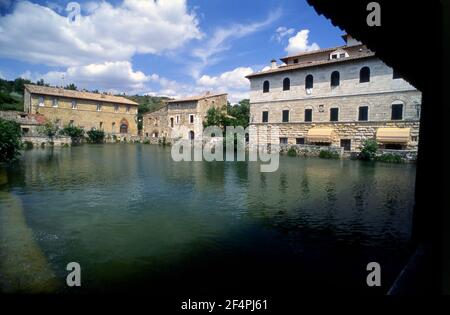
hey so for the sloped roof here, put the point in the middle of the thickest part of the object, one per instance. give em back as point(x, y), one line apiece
point(195, 98)
point(359, 55)
point(46, 90)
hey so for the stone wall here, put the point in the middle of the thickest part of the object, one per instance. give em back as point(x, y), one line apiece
point(355, 131)
point(159, 123)
point(86, 115)
point(381, 81)
point(46, 141)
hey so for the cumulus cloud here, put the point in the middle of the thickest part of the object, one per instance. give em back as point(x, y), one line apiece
point(108, 33)
point(282, 32)
point(233, 82)
point(300, 43)
point(116, 76)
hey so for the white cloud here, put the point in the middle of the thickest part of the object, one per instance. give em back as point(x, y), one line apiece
point(282, 32)
point(299, 43)
point(233, 82)
point(220, 39)
point(37, 34)
point(109, 76)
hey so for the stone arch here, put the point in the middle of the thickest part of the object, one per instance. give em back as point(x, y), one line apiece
point(124, 126)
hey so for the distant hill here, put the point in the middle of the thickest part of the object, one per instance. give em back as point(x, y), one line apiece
point(147, 104)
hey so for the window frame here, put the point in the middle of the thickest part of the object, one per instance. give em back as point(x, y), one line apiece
point(286, 84)
point(331, 114)
point(359, 113)
point(283, 112)
point(55, 102)
point(307, 81)
point(335, 79)
point(396, 104)
point(364, 77)
point(266, 86)
point(267, 116)
point(311, 114)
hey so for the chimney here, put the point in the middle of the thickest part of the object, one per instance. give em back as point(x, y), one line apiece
point(350, 41)
point(273, 64)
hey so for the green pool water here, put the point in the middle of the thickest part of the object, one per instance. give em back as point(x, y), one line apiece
point(137, 221)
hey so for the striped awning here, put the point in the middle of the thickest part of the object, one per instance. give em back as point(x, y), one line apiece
point(393, 135)
point(323, 135)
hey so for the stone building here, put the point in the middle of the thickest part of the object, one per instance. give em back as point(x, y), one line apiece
point(181, 118)
point(113, 114)
point(335, 96)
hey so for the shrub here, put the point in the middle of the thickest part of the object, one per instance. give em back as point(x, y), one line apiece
point(325, 154)
point(368, 150)
point(146, 141)
point(28, 145)
point(49, 129)
point(390, 158)
point(95, 136)
point(292, 152)
point(10, 143)
point(75, 133)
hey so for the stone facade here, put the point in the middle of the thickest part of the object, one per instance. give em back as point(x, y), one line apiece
point(183, 118)
point(112, 114)
point(336, 107)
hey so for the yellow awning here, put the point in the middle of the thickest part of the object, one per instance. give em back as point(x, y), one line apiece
point(323, 135)
point(393, 135)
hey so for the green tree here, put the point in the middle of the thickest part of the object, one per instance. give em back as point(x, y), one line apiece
point(74, 132)
point(71, 86)
point(368, 150)
point(49, 129)
point(10, 142)
point(95, 136)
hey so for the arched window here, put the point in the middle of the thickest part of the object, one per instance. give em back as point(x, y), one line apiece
point(335, 79)
point(171, 122)
point(364, 75)
point(286, 84)
point(266, 86)
point(191, 135)
point(123, 128)
point(309, 81)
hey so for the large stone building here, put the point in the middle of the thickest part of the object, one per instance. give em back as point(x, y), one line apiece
point(335, 96)
point(113, 114)
point(181, 118)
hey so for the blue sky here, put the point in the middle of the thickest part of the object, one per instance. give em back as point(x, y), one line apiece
point(172, 48)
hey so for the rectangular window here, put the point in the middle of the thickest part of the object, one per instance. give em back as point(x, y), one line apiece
point(283, 140)
point(101, 125)
point(128, 108)
point(397, 112)
point(334, 56)
point(346, 144)
point(300, 140)
point(191, 119)
point(71, 123)
point(308, 114)
point(99, 107)
point(334, 114)
point(178, 119)
point(41, 101)
point(116, 108)
point(265, 116)
point(363, 114)
point(55, 102)
point(285, 115)
point(74, 104)
point(295, 60)
point(342, 55)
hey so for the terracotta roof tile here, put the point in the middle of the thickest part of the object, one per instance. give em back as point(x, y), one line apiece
point(46, 90)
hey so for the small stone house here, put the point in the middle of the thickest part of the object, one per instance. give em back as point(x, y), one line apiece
point(181, 118)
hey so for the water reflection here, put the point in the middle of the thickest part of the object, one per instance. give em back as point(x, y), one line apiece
point(129, 214)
